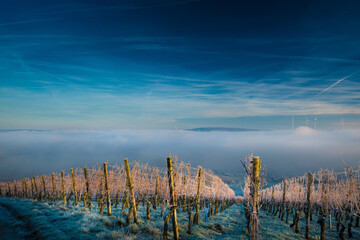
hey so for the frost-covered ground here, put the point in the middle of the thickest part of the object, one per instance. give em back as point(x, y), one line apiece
point(26, 219)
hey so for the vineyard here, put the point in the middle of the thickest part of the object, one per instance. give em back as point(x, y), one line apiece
point(324, 194)
point(138, 201)
point(103, 188)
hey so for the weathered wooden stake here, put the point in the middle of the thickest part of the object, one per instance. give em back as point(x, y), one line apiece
point(87, 190)
point(63, 187)
point(148, 210)
point(131, 189)
point(184, 193)
point(307, 227)
point(44, 186)
point(9, 190)
point(283, 202)
point(107, 190)
point(15, 189)
point(23, 189)
point(190, 223)
point(166, 226)
point(197, 201)
point(32, 188)
point(26, 188)
point(172, 197)
point(217, 197)
point(36, 190)
point(53, 186)
point(156, 192)
point(254, 226)
point(74, 186)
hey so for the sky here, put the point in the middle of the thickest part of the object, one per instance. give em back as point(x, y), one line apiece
point(83, 82)
point(179, 64)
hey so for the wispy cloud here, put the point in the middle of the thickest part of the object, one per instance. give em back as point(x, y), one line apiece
point(28, 21)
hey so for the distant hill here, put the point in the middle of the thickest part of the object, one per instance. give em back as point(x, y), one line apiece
point(221, 129)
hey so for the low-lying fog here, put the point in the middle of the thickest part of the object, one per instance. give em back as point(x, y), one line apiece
point(283, 153)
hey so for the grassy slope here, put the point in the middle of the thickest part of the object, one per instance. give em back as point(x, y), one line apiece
point(52, 221)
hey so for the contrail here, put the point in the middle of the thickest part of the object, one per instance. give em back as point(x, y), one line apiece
point(333, 85)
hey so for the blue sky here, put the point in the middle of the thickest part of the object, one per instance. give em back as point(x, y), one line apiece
point(178, 64)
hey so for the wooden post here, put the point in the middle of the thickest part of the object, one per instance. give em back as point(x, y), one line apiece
point(87, 191)
point(307, 227)
point(148, 210)
point(9, 190)
point(107, 190)
point(44, 187)
point(254, 227)
point(156, 192)
point(74, 186)
point(217, 197)
point(26, 188)
point(283, 203)
point(323, 213)
point(172, 197)
point(131, 189)
point(125, 200)
point(15, 189)
point(174, 183)
point(63, 187)
point(184, 193)
point(166, 226)
point(23, 195)
point(190, 223)
point(197, 201)
point(32, 188)
point(53, 186)
point(36, 190)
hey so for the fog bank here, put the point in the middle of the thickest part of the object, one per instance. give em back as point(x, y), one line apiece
point(283, 153)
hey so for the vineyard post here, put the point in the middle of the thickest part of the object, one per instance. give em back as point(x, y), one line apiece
point(175, 187)
point(148, 204)
point(307, 227)
point(63, 187)
point(53, 186)
point(44, 186)
point(156, 191)
point(26, 188)
point(328, 182)
point(87, 192)
point(36, 189)
point(283, 203)
point(107, 190)
point(15, 189)
point(351, 190)
point(9, 190)
point(217, 197)
point(32, 188)
point(197, 201)
point(323, 213)
point(23, 195)
point(272, 201)
point(172, 197)
point(74, 186)
point(184, 192)
point(131, 188)
point(254, 228)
